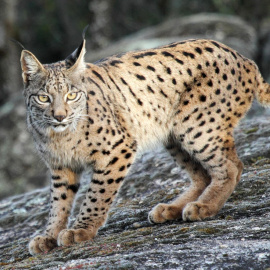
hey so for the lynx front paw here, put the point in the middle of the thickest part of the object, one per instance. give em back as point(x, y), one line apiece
point(195, 211)
point(41, 243)
point(71, 236)
point(164, 212)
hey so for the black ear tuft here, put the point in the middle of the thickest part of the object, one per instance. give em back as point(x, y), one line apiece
point(18, 43)
point(72, 58)
point(84, 31)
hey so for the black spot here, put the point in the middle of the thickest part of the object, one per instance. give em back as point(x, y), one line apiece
point(189, 72)
point(202, 124)
point(58, 185)
point(209, 49)
point(136, 64)
point(107, 153)
point(117, 143)
point(174, 81)
point(179, 61)
point(160, 79)
point(202, 98)
point(93, 200)
point(161, 92)
point(56, 177)
point(167, 54)
point(128, 155)
point(63, 196)
point(102, 190)
point(198, 50)
point(233, 54)
point(199, 67)
point(210, 83)
point(189, 130)
point(212, 119)
point(98, 75)
point(186, 102)
point(233, 71)
point(149, 88)
point(209, 158)
point(93, 152)
point(215, 43)
point(217, 70)
point(223, 100)
point(169, 70)
point(110, 181)
point(118, 180)
point(226, 62)
point(151, 68)
point(188, 54)
point(141, 55)
point(92, 93)
point(140, 77)
point(212, 104)
point(224, 77)
point(203, 75)
point(90, 120)
point(113, 161)
point(115, 62)
point(74, 187)
point(122, 168)
point(199, 116)
point(99, 130)
point(229, 87)
point(186, 119)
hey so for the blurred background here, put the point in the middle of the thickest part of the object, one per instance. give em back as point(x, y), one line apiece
point(52, 29)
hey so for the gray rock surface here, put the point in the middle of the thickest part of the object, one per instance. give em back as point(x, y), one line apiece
point(237, 238)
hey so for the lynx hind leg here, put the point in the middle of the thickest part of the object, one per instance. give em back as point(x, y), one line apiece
point(200, 180)
point(225, 168)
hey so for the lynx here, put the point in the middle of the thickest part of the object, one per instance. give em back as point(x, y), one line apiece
point(188, 96)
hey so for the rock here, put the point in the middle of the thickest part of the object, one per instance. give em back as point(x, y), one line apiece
point(231, 30)
point(21, 169)
point(237, 238)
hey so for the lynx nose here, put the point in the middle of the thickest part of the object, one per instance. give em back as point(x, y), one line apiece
point(59, 118)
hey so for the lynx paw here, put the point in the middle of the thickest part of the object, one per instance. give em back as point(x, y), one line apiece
point(41, 243)
point(69, 237)
point(164, 212)
point(195, 211)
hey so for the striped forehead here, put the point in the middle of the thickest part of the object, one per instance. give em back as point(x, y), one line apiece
point(56, 81)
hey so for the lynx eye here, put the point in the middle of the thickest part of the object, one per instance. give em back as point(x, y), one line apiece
point(71, 96)
point(43, 98)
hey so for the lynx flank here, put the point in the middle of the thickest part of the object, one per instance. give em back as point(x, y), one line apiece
point(188, 96)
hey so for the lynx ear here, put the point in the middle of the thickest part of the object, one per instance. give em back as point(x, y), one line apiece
point(76, 59)
point(31, 67)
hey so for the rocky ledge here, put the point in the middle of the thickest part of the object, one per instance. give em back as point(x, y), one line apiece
point(237, 238)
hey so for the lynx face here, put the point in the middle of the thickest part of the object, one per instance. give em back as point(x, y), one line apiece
point(54, 103)
point(57, 109)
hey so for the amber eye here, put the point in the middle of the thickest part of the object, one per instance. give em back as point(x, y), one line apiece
point(43, 98)
point(71, 96)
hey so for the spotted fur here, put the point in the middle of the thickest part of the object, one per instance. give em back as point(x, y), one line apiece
point(187, 95)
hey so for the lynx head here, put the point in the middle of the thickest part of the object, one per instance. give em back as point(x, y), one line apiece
point(54, 93)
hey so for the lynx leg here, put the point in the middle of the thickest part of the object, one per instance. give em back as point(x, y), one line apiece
point(225, 170)
point(200, 180)
point(106, 181)
point(63, 189)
